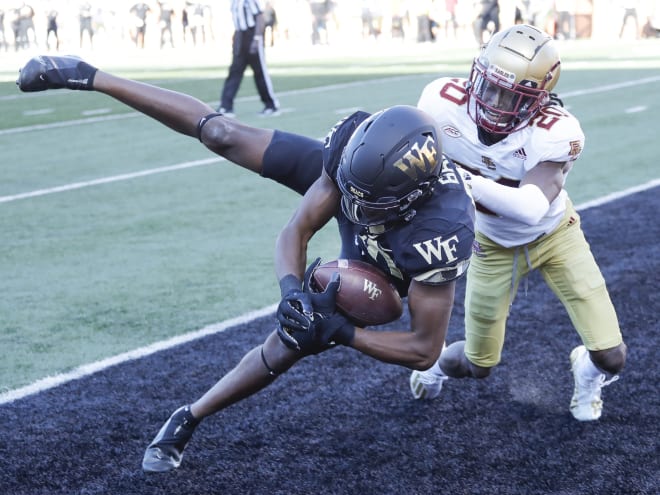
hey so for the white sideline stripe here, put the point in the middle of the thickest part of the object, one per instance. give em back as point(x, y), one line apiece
point(91, 368)
point(293, 92)
point(68, 123)
point(617, 195)
point(610, 87)
point(106, 180)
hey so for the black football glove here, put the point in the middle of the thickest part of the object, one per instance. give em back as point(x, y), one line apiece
point(295, 317)
point(295, 313)
point(330, 326)
point(307, 279)
point(45, 72)
point(335, 329)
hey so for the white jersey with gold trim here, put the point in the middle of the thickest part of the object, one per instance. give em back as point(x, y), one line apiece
point(553, 135)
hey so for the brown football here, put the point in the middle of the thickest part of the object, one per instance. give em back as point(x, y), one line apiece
point(365, 295)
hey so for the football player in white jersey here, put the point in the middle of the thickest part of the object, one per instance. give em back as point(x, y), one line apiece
point(516, 144)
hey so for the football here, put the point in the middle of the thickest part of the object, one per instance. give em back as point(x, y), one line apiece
point(365, 295)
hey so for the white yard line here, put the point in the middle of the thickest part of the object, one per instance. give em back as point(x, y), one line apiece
point(91, 368)
point(112, 178)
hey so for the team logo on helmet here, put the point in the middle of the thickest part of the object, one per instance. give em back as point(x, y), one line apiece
point(419, 158)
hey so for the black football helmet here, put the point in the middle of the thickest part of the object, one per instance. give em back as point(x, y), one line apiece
point(389, 165)
point(512, 78)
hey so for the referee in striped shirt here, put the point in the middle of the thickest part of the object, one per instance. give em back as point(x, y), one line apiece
point(248, 49)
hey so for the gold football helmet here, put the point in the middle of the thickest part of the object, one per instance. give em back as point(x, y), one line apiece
point(512, 78)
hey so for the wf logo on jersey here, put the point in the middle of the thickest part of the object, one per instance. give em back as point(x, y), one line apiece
point(422, 158)
point(371, 289)
point(442, 250)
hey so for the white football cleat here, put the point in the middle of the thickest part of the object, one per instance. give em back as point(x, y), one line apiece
point(586, 403)
point(427, 384)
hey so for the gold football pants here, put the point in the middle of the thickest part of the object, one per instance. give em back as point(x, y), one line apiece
point(566, 263)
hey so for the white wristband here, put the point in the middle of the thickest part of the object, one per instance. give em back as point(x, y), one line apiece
point(526, 204)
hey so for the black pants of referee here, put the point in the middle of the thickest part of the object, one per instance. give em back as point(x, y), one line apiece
point(241, 58)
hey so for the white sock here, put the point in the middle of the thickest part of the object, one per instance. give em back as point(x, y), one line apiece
point(587, 368)
point(435, 369)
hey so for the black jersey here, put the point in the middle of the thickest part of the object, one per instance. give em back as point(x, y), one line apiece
point(433, 247)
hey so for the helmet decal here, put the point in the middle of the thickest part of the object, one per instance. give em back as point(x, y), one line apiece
point(508, 78)
point(419, 158)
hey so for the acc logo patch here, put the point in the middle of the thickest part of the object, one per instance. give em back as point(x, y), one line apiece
point(451, 131)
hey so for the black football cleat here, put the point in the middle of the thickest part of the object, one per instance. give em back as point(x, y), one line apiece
point(165, 451)
point(46, 72)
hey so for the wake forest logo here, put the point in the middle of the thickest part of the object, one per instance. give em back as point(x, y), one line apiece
point(424, 158)
point(372, 290)
point(438, 248)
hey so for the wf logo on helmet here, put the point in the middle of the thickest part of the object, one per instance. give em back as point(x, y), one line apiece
point(422, 158)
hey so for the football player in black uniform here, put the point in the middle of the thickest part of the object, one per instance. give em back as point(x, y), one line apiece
point(398, 204)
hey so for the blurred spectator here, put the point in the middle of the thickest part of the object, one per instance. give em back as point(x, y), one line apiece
point(372, 19)
point(629, 13)
point(165, 23)
point(526, 12)
point(185, 22)
point(3, 36)
point(85, 18)
point(24, 27)
point(400, 19)
point(15, 20)
point(565, 19)
point(196, 20)
point(450, 17)
point(51, 28)
point(140, 11)
point(270, 23)
point(321, 11)
point(487, 21)
point(423, 15)
point(649, 30)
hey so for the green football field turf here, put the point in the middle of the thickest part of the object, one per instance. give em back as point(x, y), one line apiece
point(117, 233)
